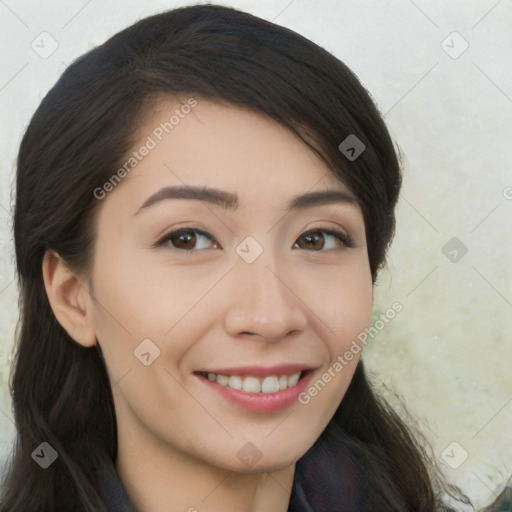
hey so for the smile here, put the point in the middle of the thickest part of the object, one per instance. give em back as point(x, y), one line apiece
point(262, 394)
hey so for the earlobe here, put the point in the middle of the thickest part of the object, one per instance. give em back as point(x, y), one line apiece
point(69, 300)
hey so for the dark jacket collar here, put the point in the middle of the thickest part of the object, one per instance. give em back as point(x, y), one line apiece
point(113, 492)
point(327, 479)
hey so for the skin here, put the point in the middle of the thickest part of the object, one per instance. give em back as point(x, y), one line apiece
point(298, 302)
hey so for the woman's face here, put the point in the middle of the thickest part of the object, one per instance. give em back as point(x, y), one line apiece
point(244, 293)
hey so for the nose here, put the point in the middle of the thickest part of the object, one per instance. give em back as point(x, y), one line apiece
point(263, 301)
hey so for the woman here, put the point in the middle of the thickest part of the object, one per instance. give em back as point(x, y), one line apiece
point(203, 205)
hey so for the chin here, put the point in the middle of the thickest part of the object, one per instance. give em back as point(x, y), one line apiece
point(249, 460)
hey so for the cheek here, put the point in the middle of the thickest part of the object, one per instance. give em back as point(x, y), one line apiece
point(344, 305)
point(124, 306)
point(137, 301)
point(348, 313)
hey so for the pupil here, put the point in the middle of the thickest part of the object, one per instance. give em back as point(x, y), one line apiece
point(311, 240)
point(188, 235)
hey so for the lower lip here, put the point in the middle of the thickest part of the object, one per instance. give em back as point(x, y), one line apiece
point(261, 402)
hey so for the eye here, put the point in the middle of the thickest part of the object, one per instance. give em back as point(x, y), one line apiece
point(316, 239)
point(187, 240)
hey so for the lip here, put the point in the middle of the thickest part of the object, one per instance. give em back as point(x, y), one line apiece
point(263, 403)
point(261, 371)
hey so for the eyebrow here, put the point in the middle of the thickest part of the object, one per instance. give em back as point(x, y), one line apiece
point(229, 200)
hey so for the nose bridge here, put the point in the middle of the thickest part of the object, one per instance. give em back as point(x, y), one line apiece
point(262, 302)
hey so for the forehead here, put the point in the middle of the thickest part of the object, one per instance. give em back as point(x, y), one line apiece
point(222, 146)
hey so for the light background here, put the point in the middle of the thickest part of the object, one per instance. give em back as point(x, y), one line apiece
point(449, 352)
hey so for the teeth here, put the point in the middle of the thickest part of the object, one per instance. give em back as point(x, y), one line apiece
point(235, 382)
point(270, 384)
point(222, 380)
point(250, 385)
point(293, 379)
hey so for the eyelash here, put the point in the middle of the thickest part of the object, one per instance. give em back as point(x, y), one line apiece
point(342, 237)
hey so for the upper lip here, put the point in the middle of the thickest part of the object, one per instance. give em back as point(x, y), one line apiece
point(260, 371)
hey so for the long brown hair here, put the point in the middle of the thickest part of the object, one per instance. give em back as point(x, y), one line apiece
point(75, 142)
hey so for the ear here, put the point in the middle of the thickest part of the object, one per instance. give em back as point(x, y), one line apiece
point(69, 299)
